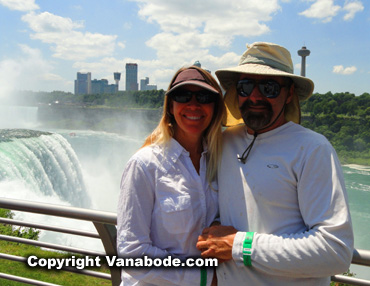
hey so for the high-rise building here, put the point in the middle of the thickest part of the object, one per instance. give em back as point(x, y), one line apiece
point(131, 77)
point(83, 83)
point(101, 86)
point(144, 85)
point(97, 86)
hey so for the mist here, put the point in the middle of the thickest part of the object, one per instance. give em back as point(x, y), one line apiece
point(102, 155)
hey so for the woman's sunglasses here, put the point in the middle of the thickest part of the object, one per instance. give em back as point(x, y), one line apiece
point(202, 96)
point(268, 88)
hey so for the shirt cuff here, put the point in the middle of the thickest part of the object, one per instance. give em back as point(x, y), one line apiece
point(237, 250)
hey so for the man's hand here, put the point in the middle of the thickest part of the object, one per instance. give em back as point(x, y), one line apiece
point(217, 242)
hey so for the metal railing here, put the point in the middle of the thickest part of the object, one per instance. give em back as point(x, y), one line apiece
point(105, 224)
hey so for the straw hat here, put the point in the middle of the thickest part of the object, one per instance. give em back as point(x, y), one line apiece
point(263, 59)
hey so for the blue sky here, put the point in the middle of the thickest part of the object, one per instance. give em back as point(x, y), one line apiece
point(44, 43)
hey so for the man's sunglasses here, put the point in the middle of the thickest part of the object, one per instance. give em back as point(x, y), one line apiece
point(202, 96)
point(269, 88)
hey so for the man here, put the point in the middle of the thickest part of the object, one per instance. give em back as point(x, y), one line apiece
point(283, 204)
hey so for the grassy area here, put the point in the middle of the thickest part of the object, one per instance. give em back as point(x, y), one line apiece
point(52, 276)
point(357, 161)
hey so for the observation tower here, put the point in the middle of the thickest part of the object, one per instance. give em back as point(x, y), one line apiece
point(117, 77)
point(303, 53)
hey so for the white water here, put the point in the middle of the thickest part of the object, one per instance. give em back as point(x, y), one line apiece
point(44, 169)
point(46, 165)
point(70, 167)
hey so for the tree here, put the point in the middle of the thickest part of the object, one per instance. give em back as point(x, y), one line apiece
point(23, 232)
point(359, 145)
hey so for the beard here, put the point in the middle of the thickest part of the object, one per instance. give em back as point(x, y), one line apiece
point(256, 120)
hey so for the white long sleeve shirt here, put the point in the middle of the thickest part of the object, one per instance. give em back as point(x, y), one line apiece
point(291, 193)
point(163, 207)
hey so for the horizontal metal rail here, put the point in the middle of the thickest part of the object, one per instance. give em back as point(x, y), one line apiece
point(104, 222)
point(60, 211)
point(69, 269)
point(361, 257)
point(350, 280)
point(26, 280)
point(50, 245)
point(50, 228)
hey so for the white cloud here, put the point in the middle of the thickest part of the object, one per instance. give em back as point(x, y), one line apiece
point(27, 72)
point(325, 10)
point(68, 43)
point(352, 8)
point(339, 69)
point(210, 17)
point(20, 5)
point(188, 30)
point(49, 23)
point(121, 45)
point(322, 9)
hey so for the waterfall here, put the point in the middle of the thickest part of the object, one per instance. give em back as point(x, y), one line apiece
point(44, 163)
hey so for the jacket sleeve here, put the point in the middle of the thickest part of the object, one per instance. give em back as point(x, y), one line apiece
point(326, 247)
point(134, 213)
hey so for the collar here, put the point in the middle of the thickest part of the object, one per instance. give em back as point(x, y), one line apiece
point(172, 150)
point(268, 133)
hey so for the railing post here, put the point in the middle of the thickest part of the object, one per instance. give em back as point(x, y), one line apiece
point(108, 235)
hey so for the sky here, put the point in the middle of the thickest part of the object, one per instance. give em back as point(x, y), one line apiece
point(44, 43)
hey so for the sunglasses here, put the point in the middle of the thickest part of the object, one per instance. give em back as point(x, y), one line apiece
point(269, 88)
point(202, 96)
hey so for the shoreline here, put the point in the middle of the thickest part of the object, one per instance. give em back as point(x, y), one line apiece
point(357, 167)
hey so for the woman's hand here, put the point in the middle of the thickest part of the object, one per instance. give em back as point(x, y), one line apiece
point(217, 242)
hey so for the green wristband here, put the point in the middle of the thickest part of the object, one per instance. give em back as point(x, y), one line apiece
point(247, 248)
point(203, 276)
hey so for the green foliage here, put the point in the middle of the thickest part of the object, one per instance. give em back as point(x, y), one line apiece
point(344, 119)
point(23, 232)
point(349, 274)
point(120, 100)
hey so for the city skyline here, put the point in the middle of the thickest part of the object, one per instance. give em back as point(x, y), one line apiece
point(84, 84)
point(45, 43)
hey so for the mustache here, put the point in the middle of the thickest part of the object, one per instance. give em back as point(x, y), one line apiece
point(248, 103)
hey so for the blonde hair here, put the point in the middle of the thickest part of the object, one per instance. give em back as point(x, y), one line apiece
point(212, 135)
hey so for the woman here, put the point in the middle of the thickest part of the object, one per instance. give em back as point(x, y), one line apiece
point(168, 194)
